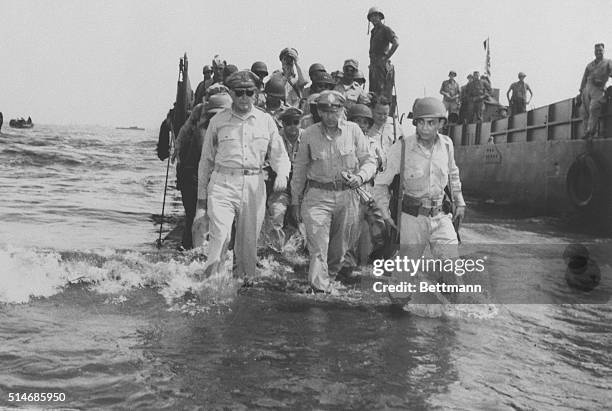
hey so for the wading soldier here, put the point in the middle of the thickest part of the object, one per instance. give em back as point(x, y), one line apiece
point(428, 166)
point(329, 208)
point(385, 141)
point(381, 70)
point(279, 201)
point(235, 146)
point(189, 147)
point(592, 90)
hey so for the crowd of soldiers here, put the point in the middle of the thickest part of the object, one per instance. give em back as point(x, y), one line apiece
point(321, 156)
point(466, 104)
point(318, 153)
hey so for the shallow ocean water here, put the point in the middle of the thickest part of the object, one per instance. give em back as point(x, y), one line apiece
point(89, 308)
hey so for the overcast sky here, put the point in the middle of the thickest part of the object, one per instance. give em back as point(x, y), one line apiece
point(115, 62)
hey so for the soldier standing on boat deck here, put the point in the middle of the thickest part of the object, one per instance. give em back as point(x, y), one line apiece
point(381, 70)
point(451, 92)
point(429, 165)
point(329, 208)
point(464, 109)
point(518, 101)
point(592, 91)
point(476, 96)
point(236, 144)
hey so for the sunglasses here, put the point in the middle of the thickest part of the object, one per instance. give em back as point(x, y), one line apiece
point(295, 122)
point(242, 91)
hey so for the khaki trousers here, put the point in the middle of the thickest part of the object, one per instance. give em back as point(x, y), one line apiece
point(244, 198)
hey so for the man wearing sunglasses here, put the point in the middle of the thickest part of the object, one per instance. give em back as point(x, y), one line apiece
point(278, 201)
point(329, 206)
point(353, 93)
point(236, 144)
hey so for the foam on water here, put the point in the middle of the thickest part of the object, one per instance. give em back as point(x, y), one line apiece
point(30, 273)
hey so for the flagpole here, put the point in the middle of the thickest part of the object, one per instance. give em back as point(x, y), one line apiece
point(487, 65)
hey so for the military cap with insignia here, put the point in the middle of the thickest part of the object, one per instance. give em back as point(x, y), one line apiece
point(330, 100)
point(351, 63)
point(242, 79)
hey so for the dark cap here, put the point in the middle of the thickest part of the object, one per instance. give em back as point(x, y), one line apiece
point(452, 73)
point(289, 113)
point(242, 79)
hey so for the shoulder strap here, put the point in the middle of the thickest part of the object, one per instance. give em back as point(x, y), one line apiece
point(448, 182)
point(400, 191)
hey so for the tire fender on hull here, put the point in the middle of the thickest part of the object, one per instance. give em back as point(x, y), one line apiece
point(585, 182)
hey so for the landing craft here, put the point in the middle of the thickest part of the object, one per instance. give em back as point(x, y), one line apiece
point(539, 162)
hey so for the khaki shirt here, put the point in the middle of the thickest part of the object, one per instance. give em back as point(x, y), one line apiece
point(353, 93)
point(450, 90)
point(519, 90)
point(597, 73)
point(384, 139)
point(322, 159)
point(241, 142)
point(427, 173)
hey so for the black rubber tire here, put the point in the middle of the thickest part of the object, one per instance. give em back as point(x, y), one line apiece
point(584, 183)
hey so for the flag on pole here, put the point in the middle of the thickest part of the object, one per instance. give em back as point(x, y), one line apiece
point(487, 47)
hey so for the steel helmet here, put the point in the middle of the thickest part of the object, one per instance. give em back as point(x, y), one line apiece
point(315, 68)
point(275, 87)
point(206, 68)
point(218, 102)
point(323, 78)
point(374, 10)
point(360, 110)
point(259, 67)
point(428, 107)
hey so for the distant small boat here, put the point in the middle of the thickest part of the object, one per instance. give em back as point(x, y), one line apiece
point(129, 128)
point(21, 123)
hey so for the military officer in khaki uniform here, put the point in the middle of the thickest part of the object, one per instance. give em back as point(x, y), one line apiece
point(329, 206)
point(236, 144)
